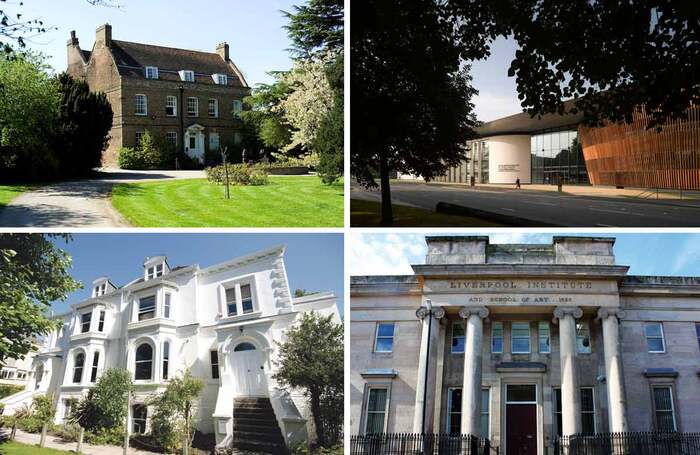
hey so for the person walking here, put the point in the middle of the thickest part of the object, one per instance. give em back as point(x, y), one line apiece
point(517, 183)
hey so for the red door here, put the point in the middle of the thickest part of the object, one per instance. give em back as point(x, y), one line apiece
point(521, 429)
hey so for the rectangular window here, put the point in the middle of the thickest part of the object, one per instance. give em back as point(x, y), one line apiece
point(454, 411)
point(141, 105)
point(103, 289)
point(246, 299)
point(520, 338)
point(85, 319)
point(193, 106)
point(213, 141)
point(159, 270)
point(151, 72)
point(213, 107)
point(171, 137)
point(139, 137)
point(193, 142)
point(654, 332)
point(95, 362)
point(485, 407)
point(231, 301)
point(583, 338)
point(166, 359)
point(237, 108)
point(171, 106)
point(376, 411)
point(384, 340)
point(221, 79)
point(96, 291)
point(147, 307)
point(497, 338)
point(697, 332)
point(665, 411)
point(587, 410)
point(556, 394)
point(139, 415)
point(544, 338)
point(101, 322)
point(457, 338)
point(166, 306)
point(187, 75)
point(214, 358)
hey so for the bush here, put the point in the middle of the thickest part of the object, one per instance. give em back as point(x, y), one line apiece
point(106, 436)
point(68, 432)
point(154, 152)
point(238, 174)
point(6, 390)
point(130, 159)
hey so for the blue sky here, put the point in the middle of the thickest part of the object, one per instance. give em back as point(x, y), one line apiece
point(253, 29)
point(497, 96)
point(647, 254)
point(313, 261)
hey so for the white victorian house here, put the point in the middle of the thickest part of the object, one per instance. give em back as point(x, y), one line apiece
point(221, 322)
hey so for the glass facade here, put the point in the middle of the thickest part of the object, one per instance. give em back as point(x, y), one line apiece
point(555, 154)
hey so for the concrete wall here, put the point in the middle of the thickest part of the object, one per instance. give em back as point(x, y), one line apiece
point(509, 158)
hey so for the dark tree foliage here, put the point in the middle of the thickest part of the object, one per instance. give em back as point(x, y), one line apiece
point(33, 273)
point(329, 140)
point(83, 125)
point(316, 27)
point(105, 405)
point(411, 107)
point(612, 56)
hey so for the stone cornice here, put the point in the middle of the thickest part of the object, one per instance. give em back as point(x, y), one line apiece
point(277, 251)
point(617, 272)
point(384, 285)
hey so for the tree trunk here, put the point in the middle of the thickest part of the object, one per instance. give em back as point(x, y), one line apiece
point(186, 445)
point(126, 423)
point(81, 435)
point(316, 413)
point(44, 428)
point(387, 215)
point(13, 432)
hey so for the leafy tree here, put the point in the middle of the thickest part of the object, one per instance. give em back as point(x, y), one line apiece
point(329, 139)
point(316, 28)
point(412, 109)
point(171, 424)
point(105, 405)
point(83, 125)
point(33, 273)
point(29, 103)
point(311, 359)
point(43, 412)
point(273, 129)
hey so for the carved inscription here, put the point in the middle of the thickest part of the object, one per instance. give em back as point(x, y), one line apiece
point(511, 285)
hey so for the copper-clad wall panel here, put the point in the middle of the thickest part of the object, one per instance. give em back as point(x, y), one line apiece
point(630, 155)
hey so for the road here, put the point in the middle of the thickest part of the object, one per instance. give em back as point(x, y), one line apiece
point(548, 207)
point(78, 203)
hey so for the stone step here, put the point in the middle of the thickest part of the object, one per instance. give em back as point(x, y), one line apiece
point(252, 406)
point(253, 413)
point(257, 425)
point(260, 446)
point(255, 436)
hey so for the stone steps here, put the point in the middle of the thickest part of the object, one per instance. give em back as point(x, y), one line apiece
point(255, 427)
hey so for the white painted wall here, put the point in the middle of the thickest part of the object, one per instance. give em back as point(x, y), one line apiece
point(509, 158)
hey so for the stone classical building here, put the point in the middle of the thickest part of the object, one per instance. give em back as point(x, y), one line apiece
point(521, 343)
point(192, 98)
point(221, 323)
point(17, 371)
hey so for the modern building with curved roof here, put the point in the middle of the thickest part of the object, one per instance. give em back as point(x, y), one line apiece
point(552, 147)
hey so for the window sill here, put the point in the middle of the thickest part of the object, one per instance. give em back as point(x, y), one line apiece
point(88, 335)
point(141, 115)
point(242, 317)
point(151, 322)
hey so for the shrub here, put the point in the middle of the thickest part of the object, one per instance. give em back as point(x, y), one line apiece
point(154, 152)
point(238, 174)
point(68, 432)
point(258, 177)
point(6, 390)
point(130, 159)
point(106, 436)
point(105, 405)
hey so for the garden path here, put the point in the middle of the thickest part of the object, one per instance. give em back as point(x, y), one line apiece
point(79, 203)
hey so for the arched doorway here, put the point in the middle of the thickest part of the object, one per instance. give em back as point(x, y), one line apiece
point(249, 371)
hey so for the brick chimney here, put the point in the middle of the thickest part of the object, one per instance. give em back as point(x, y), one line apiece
point(103, 36)
point(75, 56)
point(222, 50)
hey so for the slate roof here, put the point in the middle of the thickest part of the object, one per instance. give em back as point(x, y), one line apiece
point(86, 55)
point(132, 59)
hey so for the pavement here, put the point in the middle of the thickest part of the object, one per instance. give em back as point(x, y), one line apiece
point(54, 442)
point(576, 206)
point(79, 203)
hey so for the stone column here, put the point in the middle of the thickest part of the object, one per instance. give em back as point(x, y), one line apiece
point(617, 404)
point(570, 394)
point(427, 362)
point(471, 387)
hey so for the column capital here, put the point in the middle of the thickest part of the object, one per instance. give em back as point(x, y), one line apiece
point(561, 311)
point(438, 313)
point(604, 313)
point(467, 311)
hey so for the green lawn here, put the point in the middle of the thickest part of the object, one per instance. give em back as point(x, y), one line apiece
point(284, 202)
point(17, 448)
point(367, 214)
point(9, 192)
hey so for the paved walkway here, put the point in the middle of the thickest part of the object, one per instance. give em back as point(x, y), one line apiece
point(54, 442)
point(79, 203)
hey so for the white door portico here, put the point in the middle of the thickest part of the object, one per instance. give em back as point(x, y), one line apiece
point(194, 141)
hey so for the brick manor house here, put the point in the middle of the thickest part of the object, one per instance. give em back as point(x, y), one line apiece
point(192, 98)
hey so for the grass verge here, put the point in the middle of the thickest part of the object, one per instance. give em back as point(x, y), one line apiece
point(9, 192)
point(284, 202)
point(17, 448)
point(368, 214)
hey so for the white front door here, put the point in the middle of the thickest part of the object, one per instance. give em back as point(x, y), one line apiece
point(194, 142)
point(249, 372)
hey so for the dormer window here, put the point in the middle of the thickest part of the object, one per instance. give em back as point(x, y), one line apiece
point(187, 75)
point(100, 289)
point(155, 267)
point(151, 72)
point(220, 79)
point(154, 271)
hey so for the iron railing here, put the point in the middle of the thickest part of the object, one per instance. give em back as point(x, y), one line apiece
point(644, 443)
point(417, 443)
